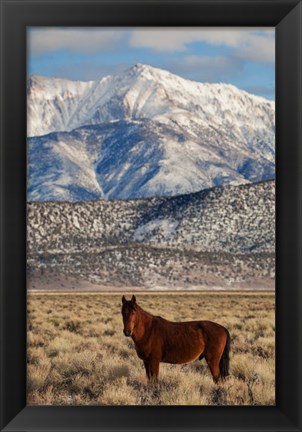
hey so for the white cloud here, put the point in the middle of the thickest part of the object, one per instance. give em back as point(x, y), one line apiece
point(206, 68)
point(245, 43)
point(177, 39)
point(82, 40)
point(254, 45)
point(257, 49)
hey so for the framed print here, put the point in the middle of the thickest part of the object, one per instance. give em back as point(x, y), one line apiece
point(141, 203)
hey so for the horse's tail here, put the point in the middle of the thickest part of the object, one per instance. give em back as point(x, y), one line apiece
point(225, 359)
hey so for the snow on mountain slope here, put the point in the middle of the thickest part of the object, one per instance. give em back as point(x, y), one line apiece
point(234, 219)
point(140, 92)
point(219, 237)
point(141, 159)
point(51, 102)
point(145, 132)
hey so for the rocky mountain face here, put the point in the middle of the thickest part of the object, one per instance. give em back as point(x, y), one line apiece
point(144, 133)
point(220, 237)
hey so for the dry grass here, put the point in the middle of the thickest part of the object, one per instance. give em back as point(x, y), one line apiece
point(78, 355)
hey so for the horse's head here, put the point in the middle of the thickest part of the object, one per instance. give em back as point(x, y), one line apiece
point(129, 312)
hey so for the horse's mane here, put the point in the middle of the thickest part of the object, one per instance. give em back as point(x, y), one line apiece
point(146, 312)
point(150, 315)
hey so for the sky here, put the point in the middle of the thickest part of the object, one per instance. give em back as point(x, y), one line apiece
point(244, 57)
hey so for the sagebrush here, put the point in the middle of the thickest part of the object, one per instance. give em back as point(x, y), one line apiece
point(77, 353)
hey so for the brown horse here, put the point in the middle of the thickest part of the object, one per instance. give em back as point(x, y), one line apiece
point(159, 340)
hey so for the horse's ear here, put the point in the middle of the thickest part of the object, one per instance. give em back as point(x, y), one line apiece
point(133, 300)
point(124, 299)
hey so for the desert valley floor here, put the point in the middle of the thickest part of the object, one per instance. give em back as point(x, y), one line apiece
point(78, 355)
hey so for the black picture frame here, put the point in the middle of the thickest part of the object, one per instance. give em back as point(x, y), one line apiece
point(16, 15)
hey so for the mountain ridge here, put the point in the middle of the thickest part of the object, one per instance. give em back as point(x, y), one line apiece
point(220, 237)
point(128, 78)
point(144, 133)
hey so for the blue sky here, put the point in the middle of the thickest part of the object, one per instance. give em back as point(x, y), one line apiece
point(244, 57)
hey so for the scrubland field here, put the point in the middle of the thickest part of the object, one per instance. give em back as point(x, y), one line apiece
point(78, 355)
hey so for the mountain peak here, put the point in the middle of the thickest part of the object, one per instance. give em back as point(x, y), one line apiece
point(144, 133)
point(140, 66)
point(140, 69)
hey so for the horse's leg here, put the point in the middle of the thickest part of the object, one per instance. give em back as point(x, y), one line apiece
point(153, 369)
point(147, 369)
point(213, 356)
point(213, 364)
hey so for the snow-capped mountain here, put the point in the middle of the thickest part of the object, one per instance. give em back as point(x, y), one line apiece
point(144, 133)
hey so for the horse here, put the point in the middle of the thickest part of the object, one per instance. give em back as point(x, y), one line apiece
point(158, 340)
